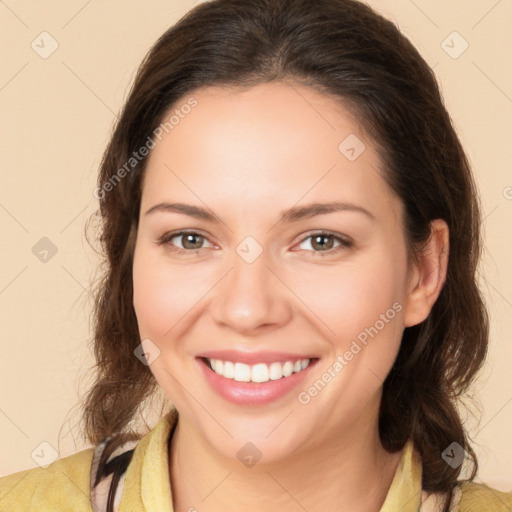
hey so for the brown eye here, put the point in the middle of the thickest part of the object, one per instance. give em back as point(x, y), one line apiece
point(322, 242)
point(190, 241)
point(326, 242)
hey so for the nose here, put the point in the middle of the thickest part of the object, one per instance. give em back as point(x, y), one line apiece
point(252, 297)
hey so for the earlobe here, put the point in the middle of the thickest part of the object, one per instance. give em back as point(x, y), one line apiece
point(429, 275)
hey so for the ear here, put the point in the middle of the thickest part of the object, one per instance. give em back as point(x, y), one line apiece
point(428, 276)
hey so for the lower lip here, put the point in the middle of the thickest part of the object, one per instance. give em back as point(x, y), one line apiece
point(252, 393)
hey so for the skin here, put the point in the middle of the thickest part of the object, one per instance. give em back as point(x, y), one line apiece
point(247, 155)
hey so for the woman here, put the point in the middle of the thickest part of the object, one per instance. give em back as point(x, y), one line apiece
point(292, 232)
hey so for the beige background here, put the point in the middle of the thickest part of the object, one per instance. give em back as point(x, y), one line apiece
point(57, 116)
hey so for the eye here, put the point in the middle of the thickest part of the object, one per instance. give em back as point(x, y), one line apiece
point(323, 242)
point(191, 241)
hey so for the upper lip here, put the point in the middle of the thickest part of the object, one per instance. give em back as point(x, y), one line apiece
point(252, 358)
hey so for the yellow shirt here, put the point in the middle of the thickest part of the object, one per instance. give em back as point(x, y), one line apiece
point(65, 485)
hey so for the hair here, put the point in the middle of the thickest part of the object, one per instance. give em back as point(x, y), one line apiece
point(344, 49)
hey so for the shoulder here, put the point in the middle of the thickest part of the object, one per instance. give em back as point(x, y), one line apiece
point(61, 486)
point(478, 497)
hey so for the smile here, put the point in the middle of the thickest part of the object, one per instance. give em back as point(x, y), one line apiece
point(254, 384)
point(261, 372)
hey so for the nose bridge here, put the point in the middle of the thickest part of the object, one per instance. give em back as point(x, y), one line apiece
point(250, 296)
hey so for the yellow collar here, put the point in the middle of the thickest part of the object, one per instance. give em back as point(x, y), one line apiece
point(405, 491)
point(147, 485)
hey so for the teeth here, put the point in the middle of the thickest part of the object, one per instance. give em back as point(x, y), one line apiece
point(259, 372)
point(287, 368)
point(276, 371)
point(228, 369)
point(217, 366)
point(242, 372)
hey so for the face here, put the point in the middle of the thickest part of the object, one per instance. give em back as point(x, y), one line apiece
point(265, 278)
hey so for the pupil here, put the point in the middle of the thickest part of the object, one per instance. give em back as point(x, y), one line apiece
point(189, 238)
point(320, 237)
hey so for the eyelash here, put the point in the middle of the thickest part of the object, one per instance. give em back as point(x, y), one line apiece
point(345, 243)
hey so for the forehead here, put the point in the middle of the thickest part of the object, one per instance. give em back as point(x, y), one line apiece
point(275, 144)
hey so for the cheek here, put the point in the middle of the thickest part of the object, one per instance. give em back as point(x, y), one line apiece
point(359, 309)
point(348, 298)
point(363, 309)
point(162, 295)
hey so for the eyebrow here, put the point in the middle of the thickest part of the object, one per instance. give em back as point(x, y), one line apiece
point(293, 214)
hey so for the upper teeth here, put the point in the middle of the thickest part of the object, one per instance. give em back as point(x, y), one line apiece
point(259, 372)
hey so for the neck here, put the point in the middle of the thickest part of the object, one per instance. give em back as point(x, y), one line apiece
point(347, 472)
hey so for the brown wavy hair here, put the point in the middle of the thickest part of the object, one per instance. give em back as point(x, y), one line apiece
point(345, 49)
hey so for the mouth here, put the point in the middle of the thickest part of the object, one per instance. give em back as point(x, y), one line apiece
point(254, 384)
point(257, 373)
